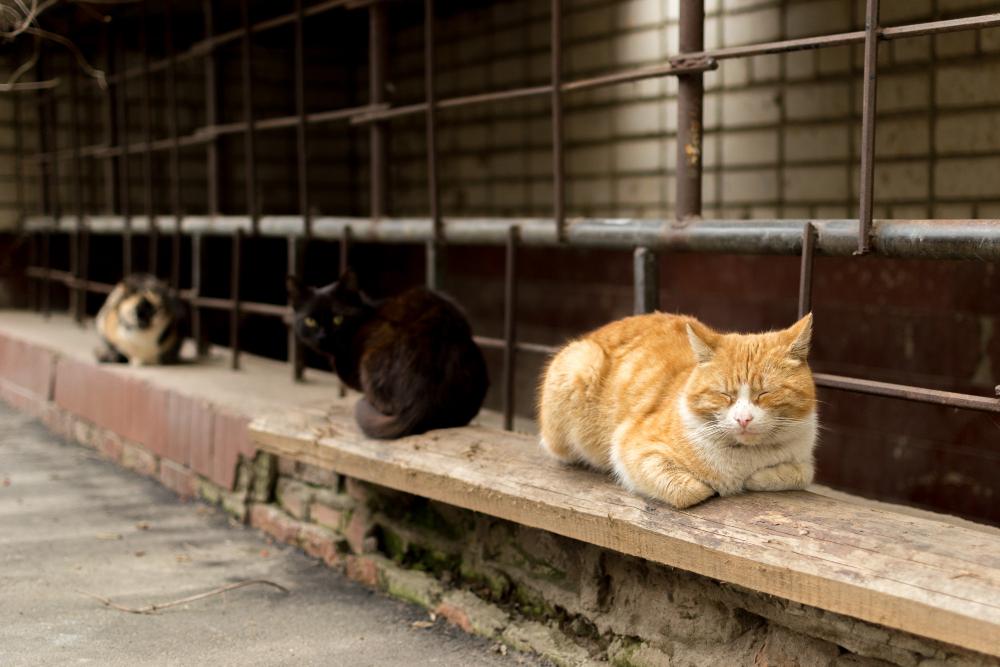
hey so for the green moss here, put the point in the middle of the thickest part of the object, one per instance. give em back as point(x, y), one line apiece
point(393, 544)
point(537, 566)
point(531, 604)
point(494, 586)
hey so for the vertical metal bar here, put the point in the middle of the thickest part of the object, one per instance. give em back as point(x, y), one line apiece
point(110, 123)
point(690, 96)
point(175, 165)
point(300, 128)
point(510, 325)
point(249, 136)
point(33, 302)
point(78, 294)
point(376, 94)
point(868, 98)
point(433, 249)
point(234, 287)
point(55, 204)
point(211, 112)
point(46, 281)
point(147, 135)
point(123, 168)
point(196, 263)
point(558, 157)
point(806, 271)
point(646, 281)
point(295, 356)
point(22, 212)
point(345, 264)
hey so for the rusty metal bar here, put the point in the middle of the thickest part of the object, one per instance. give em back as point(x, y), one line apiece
point(33, 291)
point(300, 128)
point(295, 357)
point(147, 135)
point(211, 110)
point(868, 110)
point(345, 264)
point(173, 121)
point(646, 281)
point(376, 96)
point(852, 37)
point(212, 41)
point(78, 298)
point(124, 206)
point(638, 74)
point(558, 153)
point(250, 141)
point(110, 124)
point(196, 288)
point(234, 289)
point(690, 97)
point(906, 392)
point(510, 326)
point(434, 193)
point(806, 270)
point(19, 194)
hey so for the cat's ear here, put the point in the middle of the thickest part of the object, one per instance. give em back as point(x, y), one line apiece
point(297, 290)
point(800, 337)
point(348, 281)
point(701, 343)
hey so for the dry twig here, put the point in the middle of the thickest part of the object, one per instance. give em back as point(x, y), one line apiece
point(173, 603)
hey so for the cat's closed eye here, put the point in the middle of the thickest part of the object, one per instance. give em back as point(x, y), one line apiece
point(728, 397)
point(760, 394)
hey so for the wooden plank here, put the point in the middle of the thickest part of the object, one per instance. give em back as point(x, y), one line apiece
point(931, 578)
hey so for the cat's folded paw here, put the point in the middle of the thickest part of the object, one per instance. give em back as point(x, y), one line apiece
point(781, 477)
point(687, 491)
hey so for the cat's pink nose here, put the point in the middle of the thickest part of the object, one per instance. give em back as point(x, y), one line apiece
point(743, 421)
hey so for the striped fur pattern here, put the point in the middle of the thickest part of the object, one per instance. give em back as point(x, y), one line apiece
point(139, 323)
point(679, 412)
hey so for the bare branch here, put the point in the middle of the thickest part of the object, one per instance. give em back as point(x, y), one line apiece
point(149, 609)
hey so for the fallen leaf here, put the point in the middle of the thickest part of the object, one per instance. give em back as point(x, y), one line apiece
point(143, 525)
point(264, 553)
point(140, 554)
point(422, 624)
point(183, 558)
point(6, 481)
point(109, 536)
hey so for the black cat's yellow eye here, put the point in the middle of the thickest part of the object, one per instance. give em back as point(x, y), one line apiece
point(338, 320)
point(309, 322)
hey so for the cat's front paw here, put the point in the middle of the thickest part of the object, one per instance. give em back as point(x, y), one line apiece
point(781, 477)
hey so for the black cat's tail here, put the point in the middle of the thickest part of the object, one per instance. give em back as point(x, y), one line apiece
point(374, 424)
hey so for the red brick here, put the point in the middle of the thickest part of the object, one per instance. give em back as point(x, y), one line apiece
point(178, 479)
point(326, 516)
point(147, 410)
point(363, 570)
point(27, 366)
point(21, 399)
point(110, 445)
point(138, 459)
point(294, 497)
point(358, 532)
point(275, 523)
point(229, 440)
point(454, 615)
point(320, 543)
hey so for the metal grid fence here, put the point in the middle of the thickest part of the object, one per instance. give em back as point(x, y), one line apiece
point(955, 239)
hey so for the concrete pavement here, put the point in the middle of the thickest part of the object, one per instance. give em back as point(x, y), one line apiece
point(72, 523)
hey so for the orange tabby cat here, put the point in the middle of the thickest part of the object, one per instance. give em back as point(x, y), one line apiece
point(679, 412)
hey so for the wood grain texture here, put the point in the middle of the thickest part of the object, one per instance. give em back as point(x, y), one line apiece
point(931, 578)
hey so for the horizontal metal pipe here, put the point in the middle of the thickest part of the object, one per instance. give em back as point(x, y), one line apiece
point(932, 239)
point(204, 46)
point(841, 39)
point(908, 393)
point(683, 66)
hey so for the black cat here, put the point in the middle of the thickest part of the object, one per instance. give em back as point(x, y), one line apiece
point(411, 355)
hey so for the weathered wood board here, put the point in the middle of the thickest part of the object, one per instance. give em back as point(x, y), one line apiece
point(928, 577)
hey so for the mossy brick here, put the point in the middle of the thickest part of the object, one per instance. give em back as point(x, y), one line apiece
point(627, 652)
point(275, 523)
point(265, 474)
point(139, 459)
point(321, 543)
point(209, 492)
point(472, 614)
point(548, 642)
point(294, 497)
point(317, 476)
point(235, 505)
point(324, 515)
point(410, 585)
point(530, 603)
point(493, 584)
point(333, 499)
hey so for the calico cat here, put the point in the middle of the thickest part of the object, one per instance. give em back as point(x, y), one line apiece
point(411, 355)
point(139, 323)
point(679, 412)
